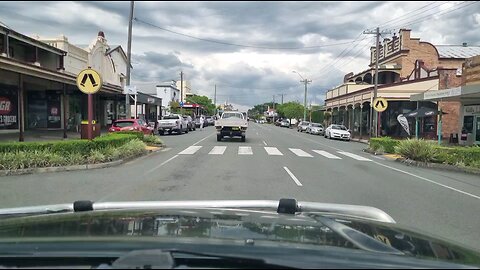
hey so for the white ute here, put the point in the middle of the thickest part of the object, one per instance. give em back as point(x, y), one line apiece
point(231, 124)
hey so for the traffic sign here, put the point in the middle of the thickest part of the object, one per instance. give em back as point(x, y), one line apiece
point(89, 81)
point(181, 104)
point(380, 104)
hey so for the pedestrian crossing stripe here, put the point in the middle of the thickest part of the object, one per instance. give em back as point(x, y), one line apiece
point(326, 154)
point(245, 150)
point(190, 150)
point(218, 150)
point(300, 152)
point(273, 151)
point(357, 157)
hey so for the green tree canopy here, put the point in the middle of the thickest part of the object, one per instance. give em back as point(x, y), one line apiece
point(203, 101)
point(291, 110)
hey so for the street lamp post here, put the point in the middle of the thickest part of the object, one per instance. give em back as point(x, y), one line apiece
point(305, 81)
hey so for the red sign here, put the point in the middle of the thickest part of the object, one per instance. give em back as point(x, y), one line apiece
point(5, 105)
point(54, 111)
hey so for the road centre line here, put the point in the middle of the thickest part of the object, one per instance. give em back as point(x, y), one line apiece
point(293, 177)
point(395, 169)
point(202, 139)
point(125, 187)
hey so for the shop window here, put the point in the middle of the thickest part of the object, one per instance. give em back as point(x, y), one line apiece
point(429, 124)
point(467, 124)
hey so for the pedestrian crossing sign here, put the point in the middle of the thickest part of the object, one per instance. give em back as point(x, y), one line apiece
point(380, 104)
point(89, 81)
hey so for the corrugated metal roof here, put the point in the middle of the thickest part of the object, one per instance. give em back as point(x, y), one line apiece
point(457, 51)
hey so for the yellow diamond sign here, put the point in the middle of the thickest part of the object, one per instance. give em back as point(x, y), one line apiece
point(380, 104)
point(89, 81)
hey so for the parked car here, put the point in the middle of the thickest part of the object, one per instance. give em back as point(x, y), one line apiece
point(190, 123)
point(285, 123)
point(172, 123)
point(278, 122)
point(210, 121)
point(131, 125)
point(302, 126)
point(315, 129)
point(197, 122)
point(337, 132)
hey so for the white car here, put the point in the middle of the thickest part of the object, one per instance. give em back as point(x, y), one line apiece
point(337, 132)
point(315, 129)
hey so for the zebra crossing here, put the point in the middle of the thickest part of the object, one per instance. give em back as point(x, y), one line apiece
point(273, 151)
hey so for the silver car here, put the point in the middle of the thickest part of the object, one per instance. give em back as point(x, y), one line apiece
point(302, 126)
point(315, 129)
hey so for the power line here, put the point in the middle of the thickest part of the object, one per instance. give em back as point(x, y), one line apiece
point(241, 45)
point(437, 14)
point(411, 15)
point(405, 14)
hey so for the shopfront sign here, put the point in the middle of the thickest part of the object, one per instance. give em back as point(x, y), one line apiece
point(452, 92)
point(8, 110)
point(472, 109)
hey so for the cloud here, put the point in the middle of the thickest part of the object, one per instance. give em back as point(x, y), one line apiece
point(245, 76)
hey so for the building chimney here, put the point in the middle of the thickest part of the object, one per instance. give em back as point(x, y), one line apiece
point(464, 44)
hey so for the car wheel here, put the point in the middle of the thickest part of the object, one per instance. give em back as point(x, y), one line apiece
point(243, 139)
point(160, 133)
point(219, 138)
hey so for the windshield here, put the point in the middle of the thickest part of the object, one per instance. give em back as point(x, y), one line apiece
point(170, 117)
point(372, 104)
point(234, 115)
point(339, 127)
point(123, 124)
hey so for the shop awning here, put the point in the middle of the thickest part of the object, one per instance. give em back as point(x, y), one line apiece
point(148, 99)
point(467, 94)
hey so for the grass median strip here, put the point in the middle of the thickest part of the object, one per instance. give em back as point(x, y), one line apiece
point(107, 148)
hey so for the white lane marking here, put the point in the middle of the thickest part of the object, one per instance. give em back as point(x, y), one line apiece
point(203, 139)
point(395, 169)
point(300, 152)
point(273, 151)
point(326, 154)
point(293, 177)
point(245, 150)
point(190, 150)
point(264, 143)
point(357, 157)
point(161, 164)
point(428, 180)
point(126, 187)
point(218, 150)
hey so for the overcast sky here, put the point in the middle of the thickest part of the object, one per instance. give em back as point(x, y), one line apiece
point(256, 45)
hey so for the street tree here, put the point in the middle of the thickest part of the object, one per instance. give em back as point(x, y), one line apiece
point(203, 101)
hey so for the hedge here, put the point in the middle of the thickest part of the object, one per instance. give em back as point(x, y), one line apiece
point(139, 134)
point(426, 151)
point(466, 156)
point(385, 144)
point(83, 147)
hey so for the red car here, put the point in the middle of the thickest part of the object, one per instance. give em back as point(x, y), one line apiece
point(131, 125)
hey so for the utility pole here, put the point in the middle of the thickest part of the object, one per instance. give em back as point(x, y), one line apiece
point(282, 99)
point(305, 81)
point(375, 117)
point(129, 60)
point(274, 109)
point(181, 86)
point(215, 99)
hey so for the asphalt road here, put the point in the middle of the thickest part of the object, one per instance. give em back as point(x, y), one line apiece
point(273, 163)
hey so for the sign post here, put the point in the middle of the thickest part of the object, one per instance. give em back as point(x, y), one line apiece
point(379, 105)
point(89, 82)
